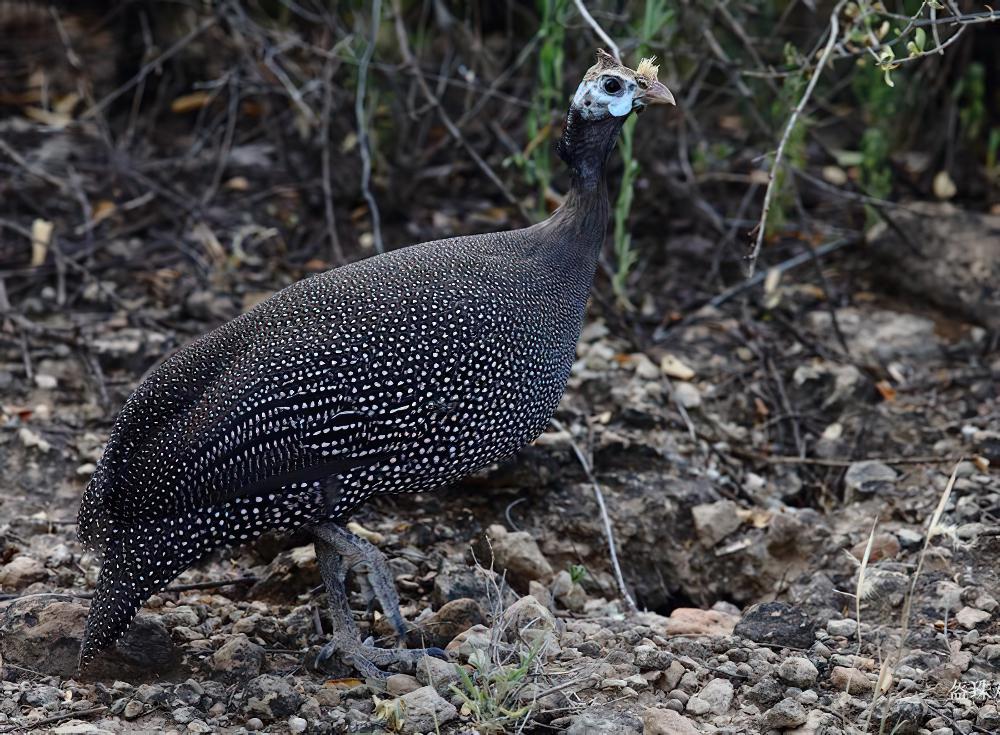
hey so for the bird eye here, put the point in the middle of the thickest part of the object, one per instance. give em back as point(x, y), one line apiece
point(612, 85)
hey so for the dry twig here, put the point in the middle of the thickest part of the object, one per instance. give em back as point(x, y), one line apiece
point(605, 520)
point(761, 228)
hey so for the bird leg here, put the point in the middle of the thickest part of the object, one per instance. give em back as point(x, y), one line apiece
point(338, 550)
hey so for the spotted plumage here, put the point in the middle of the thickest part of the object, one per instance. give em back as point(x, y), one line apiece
point(399, 373)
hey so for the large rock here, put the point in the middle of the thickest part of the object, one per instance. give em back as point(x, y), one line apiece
point(21, 571)
point(44, 634)
point(945, 255)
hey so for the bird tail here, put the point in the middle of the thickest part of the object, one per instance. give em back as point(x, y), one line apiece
point(121, 590)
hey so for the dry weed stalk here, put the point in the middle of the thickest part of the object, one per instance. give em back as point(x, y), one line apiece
point(891, 663)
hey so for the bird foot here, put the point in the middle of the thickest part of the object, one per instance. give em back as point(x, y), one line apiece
point(337, 550)
point(371, 567)
point(370, 660)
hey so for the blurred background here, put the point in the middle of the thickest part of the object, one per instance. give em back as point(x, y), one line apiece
point(236, 146)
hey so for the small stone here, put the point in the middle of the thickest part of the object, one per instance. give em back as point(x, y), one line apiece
point(568, 593)
point(851, 680)
point(988, 718)
point(798, 671)
point(598, 720)
point(687, 395)
point(870, 477)
point(289, 573)
point(399, 684)
point(437, 673)
point(969, 617)
point(296, 724)
point(910, 539)
point(767, 692)
point(666, 722)
point(845, 628)
point(199, 726)
point(527, 620)
point(239, 658)
point(785, 714)
point(476, 638)
point(651, 658)
point(271, 698)
point(30, 438)
point(905, 716)
point(692, 621)
point(714, 521)
point(46, 382)
point(254, 724)
point(518, 553)
point(132, 709)
point(184, 715)
point(884, 546)
point(715, 697)
point(777, 623)
point(454, 617)
point(425, 711)
point(42, 695)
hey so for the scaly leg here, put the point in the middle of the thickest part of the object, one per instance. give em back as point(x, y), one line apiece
point(337, 550)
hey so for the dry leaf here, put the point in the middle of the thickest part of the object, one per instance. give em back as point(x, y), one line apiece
point(944, 187)
point(756, 517)
point(103, 210)
point(48, 117)
point(237, 183)
point(41, 238)
point(203, 234)
point(348, 683)
point(887, 392)
point(190, 102)
point(672, 367)
point(761, 408)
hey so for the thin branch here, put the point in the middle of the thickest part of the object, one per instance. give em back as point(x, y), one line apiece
point(605, 520)
point(362, 122)
point(453, 131)
point(601, 33)
point(772, 178)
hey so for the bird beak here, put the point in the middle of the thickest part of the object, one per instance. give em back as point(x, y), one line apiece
point(656, 94)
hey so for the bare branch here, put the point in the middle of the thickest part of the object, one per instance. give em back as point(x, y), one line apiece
point(761, 228)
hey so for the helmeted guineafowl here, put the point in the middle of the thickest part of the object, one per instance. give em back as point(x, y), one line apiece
point(399, 373)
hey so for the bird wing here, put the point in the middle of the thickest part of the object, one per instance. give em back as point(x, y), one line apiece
point(275, 415)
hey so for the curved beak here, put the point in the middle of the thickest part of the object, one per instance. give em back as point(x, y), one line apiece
point(656, 94)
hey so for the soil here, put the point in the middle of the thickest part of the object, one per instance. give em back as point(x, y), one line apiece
point(743, 458)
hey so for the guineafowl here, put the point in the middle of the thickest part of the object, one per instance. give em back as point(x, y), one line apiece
point(400, 373)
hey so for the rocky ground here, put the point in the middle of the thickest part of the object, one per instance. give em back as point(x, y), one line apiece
point(745, 456)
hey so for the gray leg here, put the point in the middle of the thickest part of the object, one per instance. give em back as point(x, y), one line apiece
point(336, 551)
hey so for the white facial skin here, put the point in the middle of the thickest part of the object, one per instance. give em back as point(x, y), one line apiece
point(608, 94)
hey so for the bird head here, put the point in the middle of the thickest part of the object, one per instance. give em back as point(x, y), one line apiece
point(610, 89)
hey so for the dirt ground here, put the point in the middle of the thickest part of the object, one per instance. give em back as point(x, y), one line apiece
point(744, 457)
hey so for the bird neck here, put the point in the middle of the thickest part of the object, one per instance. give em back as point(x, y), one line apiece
point(582, 220)
point(585, 146)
